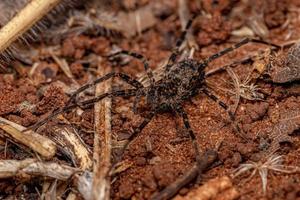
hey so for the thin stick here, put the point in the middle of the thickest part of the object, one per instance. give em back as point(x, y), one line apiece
point(173, 188)
point(217, 188)
point(38, 143)
point(237, 85)
point(102, 140)
point(24, 20)
point(33, 167)
point(70, 144)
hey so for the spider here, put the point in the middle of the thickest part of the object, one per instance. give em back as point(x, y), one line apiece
point(181, 81)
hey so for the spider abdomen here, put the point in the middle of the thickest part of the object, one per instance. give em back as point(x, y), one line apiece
point(180, 83)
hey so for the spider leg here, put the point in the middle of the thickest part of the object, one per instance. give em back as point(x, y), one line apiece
point(192, 135)
point(179, 42)
point(123, 93)
point(137, 99)
point(138, 130)
point(236, 46)
point(118, 93)
point(226, 108)
point(142, 59)
point(124, 77)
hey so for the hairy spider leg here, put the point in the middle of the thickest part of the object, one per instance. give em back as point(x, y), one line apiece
point(138, 130)
point(142, 59)
point(236, 46)
point(137, 99)
point(226, 108)
point(131, 81)
point(175, 51)
point(180, 110)
point(122, 93)
point(218, 55)
point(118, 93)
point(231, 65)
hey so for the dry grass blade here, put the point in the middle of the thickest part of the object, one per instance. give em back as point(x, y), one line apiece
point(258, 26)
point(62, 63)
point(24, 20)
point(102, 140)
point(38, 143)
point(72, 196)
point(99, 22)
point(130, 22)
point(121, 167)
point(237, 86)
point(273, 163)
point(49, 190)
point(94, 22)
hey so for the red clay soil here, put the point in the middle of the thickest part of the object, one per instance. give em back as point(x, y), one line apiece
point(162, 152)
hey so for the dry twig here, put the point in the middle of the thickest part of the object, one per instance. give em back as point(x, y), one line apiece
point(33, 167)
point(217, 188)
point(38, 143)
point(67, 139)
point(24, 20)
point(173, 188)
point(102, 140)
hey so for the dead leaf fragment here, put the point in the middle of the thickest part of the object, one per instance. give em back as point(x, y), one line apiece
point(287, 68)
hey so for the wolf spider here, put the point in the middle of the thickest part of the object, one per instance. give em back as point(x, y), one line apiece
point(181, 81)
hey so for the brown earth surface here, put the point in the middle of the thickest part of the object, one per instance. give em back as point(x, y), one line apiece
point(161, 153)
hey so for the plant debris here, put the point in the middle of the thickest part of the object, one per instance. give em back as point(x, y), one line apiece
point(280, 132)
point(38, 143)
point(76, 155)
point(32, 167)
point(286, 66)
point(273, 163)
point(217, 188)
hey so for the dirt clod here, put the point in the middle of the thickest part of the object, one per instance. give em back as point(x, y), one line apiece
point(257, 111)
point(52, 99)
point(10, 98)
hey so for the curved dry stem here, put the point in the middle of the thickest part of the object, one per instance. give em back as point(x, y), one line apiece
point(24, 20)
point(273, 162)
